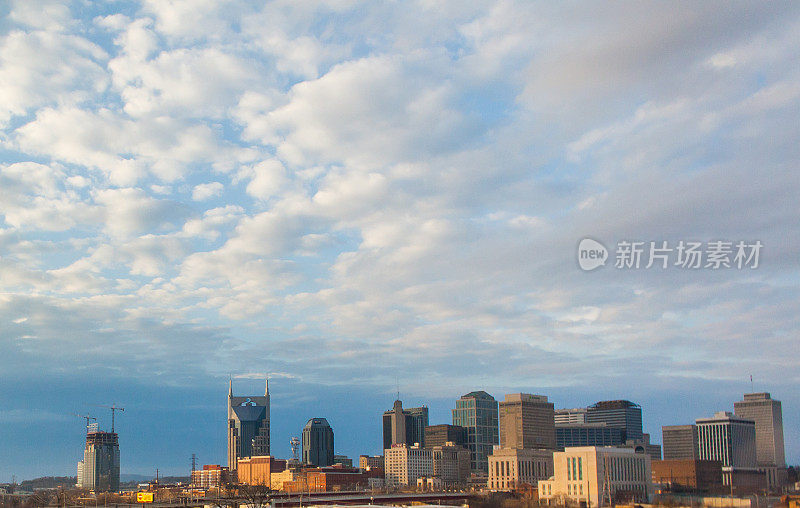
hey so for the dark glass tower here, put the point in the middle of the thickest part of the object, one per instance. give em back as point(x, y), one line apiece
point(318, 443)
point(248, 426)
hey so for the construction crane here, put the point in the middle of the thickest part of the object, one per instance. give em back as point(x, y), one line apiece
point(87, 418)
point(114, 408)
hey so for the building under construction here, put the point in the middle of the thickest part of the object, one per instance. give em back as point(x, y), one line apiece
point(99, 469)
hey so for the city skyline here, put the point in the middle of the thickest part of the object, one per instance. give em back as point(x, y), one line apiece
point(355, 442)
point(340, 195)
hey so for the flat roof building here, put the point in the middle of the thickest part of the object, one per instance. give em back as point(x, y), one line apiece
point(478, 413)
point(510, 468)
point(598, 475)
point(768, 417)
point(527, 421)
point(680, 442)
point(440, 435)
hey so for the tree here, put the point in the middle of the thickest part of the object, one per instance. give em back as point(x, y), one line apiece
point(256, 496)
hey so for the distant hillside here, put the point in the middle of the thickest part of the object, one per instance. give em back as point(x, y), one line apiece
point(48, 482)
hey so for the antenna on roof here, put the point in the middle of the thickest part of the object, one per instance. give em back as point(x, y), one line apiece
point(398, 388)
point(752, 390)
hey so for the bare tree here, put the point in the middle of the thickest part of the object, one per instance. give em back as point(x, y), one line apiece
point(256, 496)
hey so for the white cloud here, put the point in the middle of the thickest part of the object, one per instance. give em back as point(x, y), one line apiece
point(206, 191)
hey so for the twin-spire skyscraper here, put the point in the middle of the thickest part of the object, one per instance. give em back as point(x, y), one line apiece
point(248, 426)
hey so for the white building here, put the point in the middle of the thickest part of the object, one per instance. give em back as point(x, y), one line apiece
point(509, 468)
point(404, 464)
point(732, 441)
point(598, 475)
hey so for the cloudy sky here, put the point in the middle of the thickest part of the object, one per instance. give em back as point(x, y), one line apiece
point(351, 195)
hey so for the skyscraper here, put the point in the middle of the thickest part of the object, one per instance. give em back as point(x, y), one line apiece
point(478, 413)
point(318, 443)
point(732, 441)
point(768, 416)
point(248, 426)
point(621, 414)
point(440, 435)
point(680, 442)
point(404, 426)
point(527, 422)
point(99, 470)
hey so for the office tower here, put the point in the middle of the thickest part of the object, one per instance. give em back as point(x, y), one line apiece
point(680, 442)
point(622, 414)
point(652, 449)
point(404, 426)
point(588, 434)
point(248, 426)
point(99, 470)
point(732, 441)
point(593, 476)
point(527, 422)
point(318, 443)
point(509, 468)
point(451, 464)
point(570, 416)
point(478, 413)
point(404, 464)
point(768, 417)
point(440, 435)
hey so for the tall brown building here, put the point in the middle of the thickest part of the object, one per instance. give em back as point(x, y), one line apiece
point(527, 422)
point(440, 435)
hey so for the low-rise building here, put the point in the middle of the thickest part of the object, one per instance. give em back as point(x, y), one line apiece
point(258, 470)
point(404, 464)
point(509, 468)
point(343, 460)
point(688, 475)
point(327, 479)
point(595, 475)
point(211, 476)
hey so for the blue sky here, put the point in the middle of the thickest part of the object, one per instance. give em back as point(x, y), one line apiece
point(339, 194)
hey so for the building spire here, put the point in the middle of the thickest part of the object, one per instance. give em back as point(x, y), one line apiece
point(266, 391)
point(230, 386)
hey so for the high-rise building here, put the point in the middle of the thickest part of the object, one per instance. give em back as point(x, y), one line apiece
point(451, 464)
point(99, 470)
point(680, 442)
point(622, 414)
point(732, 441)
point(440, 435)
point(478, 413)
point(570, 416)
point(248, 426)
point(404, 426)
point(527, 422)
point(587, 434)
point(318, 443)
point(768, 417)
point(596, 476)
point(404, 464)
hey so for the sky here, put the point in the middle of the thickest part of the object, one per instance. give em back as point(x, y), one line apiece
point(350, 196)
